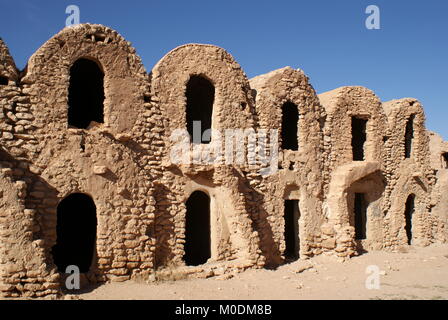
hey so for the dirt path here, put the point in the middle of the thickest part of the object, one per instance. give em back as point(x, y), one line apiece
point(421, 273)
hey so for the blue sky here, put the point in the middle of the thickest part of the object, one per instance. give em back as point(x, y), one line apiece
point(407, 57)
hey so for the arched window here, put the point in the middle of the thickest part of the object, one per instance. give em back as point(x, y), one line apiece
point(409, 136)
point(76, 232)
point(409, 212)
point(197, 229)
point(85, 94)
point(290, 122)
point(200, 96)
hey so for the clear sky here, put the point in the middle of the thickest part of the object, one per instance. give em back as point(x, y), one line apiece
point(407, 57)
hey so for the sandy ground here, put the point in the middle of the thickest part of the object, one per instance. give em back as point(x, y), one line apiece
point(420, 273)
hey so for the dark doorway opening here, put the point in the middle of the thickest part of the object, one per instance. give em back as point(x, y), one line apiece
point(359, 137)
point(445, 160)
point(85, 94)
point(200, 98)
point(409, 136)
point(291, 216)
point(197, 229)
point(409, 212)
point(360, 211)
point(76, 233)
point(3, 81)
point(290, 120)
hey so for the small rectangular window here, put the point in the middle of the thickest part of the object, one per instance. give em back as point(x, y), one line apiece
point(290, 126)
point(359, 137)
point(409, 137)
point(445, 160)
point(3, 81)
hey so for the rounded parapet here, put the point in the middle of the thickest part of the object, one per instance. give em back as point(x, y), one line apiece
point(354, 126)
point(408, 138)
point(62, 65)
point(288, 86)
point(199, 82)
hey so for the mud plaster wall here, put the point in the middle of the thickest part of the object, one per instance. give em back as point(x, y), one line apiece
point(299, 175)
point(233, 236)
point(21, 268)
point(408, 176)
point(341, 173)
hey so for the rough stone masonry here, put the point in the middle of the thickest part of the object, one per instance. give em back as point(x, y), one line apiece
point(87, 177)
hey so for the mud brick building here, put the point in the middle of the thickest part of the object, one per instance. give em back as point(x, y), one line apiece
point(87, 176)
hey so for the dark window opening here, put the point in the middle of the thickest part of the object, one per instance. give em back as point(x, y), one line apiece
point(445, 160)
point(409, 212)
point(86, 94)
point(76, 233)
point(360, 210)
point(100, 37)
point(200, 98)
point(359, 138)
point(197, 229)
point(97, 37)
point(3, 81)
point(409, 136)
point(291, 216)
point(290, 122)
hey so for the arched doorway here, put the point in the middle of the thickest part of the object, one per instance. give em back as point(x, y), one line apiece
point(364, 202)
point(85, 94)
point(359, 138)
point(76, 232)
point(200, 96)
point(291, 216)
point(197, 229)
point(409, 212)
point(360, 215)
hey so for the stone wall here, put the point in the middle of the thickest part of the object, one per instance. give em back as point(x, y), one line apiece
point(407, 176)
point(299, 175)
point(439, 197)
